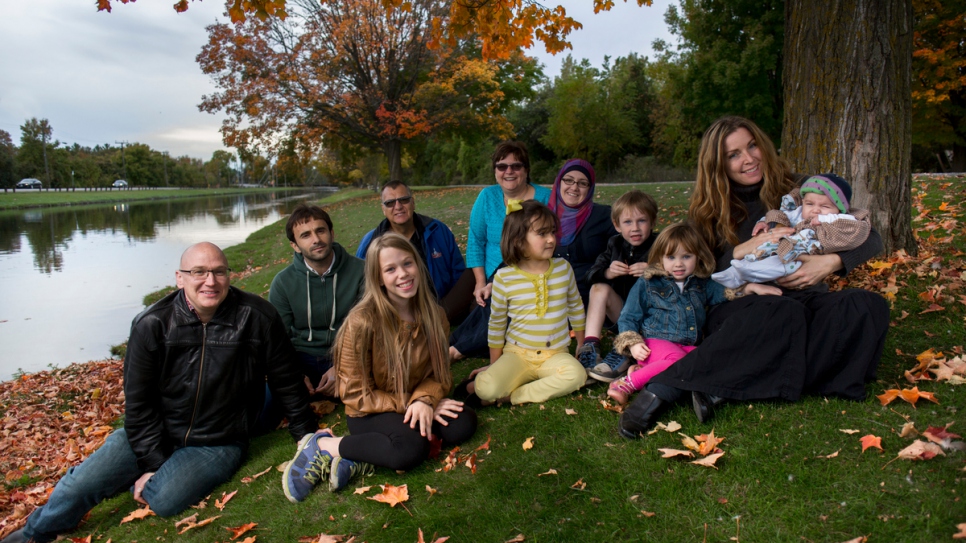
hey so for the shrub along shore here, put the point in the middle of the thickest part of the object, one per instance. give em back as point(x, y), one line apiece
point(790, 472)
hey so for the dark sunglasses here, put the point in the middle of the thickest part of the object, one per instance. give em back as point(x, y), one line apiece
point(392, 203)
point(516, 166)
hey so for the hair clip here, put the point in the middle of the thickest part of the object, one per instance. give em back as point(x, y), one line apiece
point(513, 205)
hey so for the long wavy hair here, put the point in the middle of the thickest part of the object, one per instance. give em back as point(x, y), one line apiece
point(715, 210)
point(682, 235)
point(383, 322)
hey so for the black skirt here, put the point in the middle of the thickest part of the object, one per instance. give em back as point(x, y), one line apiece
point(769, 347)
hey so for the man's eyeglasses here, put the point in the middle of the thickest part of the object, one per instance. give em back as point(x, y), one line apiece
point(392, 203)
point(201, 273)
point(570, 182)
point(516, 166)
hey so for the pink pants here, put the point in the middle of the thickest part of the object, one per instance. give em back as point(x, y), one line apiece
point(663, 354)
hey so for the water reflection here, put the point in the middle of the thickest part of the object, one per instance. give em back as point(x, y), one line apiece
point(73, 278)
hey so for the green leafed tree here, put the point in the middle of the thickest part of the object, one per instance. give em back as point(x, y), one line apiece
point(590, 115)
point(728, 62)
point(7, 153)
point(32, 157)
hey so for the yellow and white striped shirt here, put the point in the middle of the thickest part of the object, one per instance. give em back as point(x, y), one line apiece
point(538, 307)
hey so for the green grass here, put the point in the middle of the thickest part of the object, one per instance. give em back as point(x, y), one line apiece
point(33, 198)
point(773, 483)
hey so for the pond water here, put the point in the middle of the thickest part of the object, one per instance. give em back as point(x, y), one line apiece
point(71, 279)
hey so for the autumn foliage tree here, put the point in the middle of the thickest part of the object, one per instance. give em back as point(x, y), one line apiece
point(346, 73)
point(939, 77)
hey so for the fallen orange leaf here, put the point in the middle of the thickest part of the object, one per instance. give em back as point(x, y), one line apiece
point(961, 534)
point(241, 530)
point(485, 446)
point(138, 514)
point(516, 539)
point(671, 453)
point(193, 525)
point(439, 540)
point(579, 485)
point(708, 461)
point(871, 441)
point(920, 450)
point(431, 490)
point(391, 494)
point(362, 490)
point(550, 471)
point(528, 444)
point(225, 498)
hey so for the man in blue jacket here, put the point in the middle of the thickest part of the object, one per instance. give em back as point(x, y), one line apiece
point(435, 243)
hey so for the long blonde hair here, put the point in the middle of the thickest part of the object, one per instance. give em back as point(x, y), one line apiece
point(715, 209)
point(382, 321)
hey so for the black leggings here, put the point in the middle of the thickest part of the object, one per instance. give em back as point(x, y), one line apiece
point(385, 440)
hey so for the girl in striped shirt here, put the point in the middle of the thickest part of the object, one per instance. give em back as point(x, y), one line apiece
point(534, 298)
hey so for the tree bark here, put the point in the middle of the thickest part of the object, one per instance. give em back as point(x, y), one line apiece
point(848, 103)
point(393, 151)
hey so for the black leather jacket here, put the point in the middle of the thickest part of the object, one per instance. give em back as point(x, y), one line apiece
point(193, 384)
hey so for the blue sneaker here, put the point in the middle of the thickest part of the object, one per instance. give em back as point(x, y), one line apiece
point(587, 355)
point(343, 470)
point(613, 366)
point(310, 465)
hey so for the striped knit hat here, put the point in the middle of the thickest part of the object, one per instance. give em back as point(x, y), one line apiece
point(831, 185)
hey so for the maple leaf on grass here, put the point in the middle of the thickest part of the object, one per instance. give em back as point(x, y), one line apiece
point(392, 495)
point(672, 453)
point(528, 444)
point(431, 490)
point(362, 490)
point(138, 514)
point(247, 480)
point(225, 498)
point(550, 471)
point(911, 395)
point(193, 525)
point(708, 461)
point(241, 530)
point(871, 441)
point(423, 540)
point(485, 446)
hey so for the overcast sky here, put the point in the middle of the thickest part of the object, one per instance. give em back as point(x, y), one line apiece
point(131, 75)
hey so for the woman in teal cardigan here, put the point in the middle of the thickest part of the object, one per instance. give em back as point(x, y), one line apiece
point(511, 166)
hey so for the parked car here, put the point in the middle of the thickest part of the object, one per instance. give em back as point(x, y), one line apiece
point(30, 183)
point(120, 183)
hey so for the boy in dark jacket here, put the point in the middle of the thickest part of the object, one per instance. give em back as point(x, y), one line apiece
point(614, 274)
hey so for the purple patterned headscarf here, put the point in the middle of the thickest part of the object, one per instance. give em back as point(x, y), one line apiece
point(572, 219)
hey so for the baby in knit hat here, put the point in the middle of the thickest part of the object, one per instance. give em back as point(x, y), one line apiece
point(824, 223)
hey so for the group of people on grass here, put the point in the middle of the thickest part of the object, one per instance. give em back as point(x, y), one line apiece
point(727, 306)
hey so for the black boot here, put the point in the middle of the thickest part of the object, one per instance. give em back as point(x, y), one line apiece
point(640, 415)
point(704, 405)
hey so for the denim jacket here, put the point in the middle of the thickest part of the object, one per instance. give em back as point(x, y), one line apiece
point(656, 308)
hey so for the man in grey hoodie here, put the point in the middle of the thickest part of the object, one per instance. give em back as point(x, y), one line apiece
point(315, 293)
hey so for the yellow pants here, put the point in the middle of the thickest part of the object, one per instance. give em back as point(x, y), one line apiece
point(530, 376)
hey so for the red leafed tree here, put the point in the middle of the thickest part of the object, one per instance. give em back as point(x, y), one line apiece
point(349, 73)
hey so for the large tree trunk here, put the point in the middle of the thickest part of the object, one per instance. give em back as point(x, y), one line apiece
point(393, 151)
point(847, 76)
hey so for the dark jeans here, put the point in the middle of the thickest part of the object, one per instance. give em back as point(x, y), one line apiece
point(459, 300)
point(189, 474)
point(313, 367)
point(385, 440)
point(470, 338)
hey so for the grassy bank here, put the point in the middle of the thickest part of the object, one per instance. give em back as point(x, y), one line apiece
point(789, 472)
point(23, 199)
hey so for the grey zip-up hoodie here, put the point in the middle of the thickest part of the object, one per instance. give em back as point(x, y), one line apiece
point(313, 306)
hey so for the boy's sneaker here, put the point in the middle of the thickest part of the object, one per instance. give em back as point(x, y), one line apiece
point(343, 470)
point(613, 366)
point(587, 355)
point(310, 465)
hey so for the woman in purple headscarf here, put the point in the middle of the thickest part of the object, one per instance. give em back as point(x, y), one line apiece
point(585, 226)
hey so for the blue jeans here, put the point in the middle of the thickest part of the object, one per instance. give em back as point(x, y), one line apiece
point(189, 474)
point(314, 367)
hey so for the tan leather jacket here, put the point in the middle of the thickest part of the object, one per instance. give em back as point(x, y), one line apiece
point(353, 374)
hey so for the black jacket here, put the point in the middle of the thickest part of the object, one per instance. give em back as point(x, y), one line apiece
point(587, 245)
point(193, 384)
point(619, 249)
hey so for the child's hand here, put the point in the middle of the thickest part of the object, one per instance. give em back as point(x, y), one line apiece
point(616, 269)
point(420, 414)
point(640, 351)
point(763, 290)
point(478, 370)
point(637, 270)
point(481, 293)
point(760, 227)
